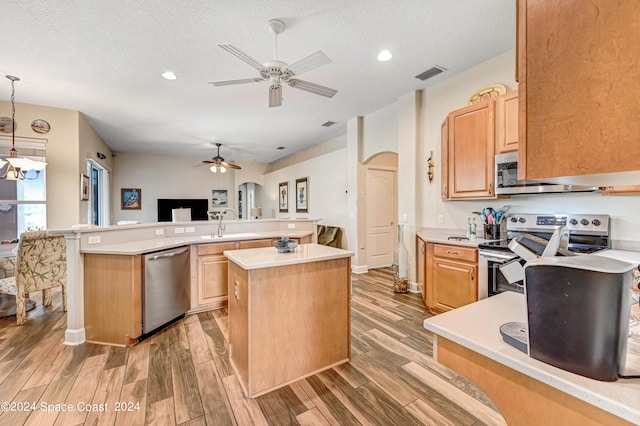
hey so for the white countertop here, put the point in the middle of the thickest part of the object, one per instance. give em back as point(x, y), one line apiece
point(147, 246)
point(476, 327)
point(443, 238)
point(268, 257)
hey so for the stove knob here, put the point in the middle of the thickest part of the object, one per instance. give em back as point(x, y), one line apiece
point(584, 222)
point(573, 221)
point(596, 222)
point(514, 219)
point(522, 220)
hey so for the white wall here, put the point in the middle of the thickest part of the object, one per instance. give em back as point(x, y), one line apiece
point(452, 94)
point(380, 131)
point(161, 176)
point(327, 188)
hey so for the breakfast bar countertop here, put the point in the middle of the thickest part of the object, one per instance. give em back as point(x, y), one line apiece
point(150, 245)
point(476, 327)
point(268, 257)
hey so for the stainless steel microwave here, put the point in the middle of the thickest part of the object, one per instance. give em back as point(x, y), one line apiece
point(507, 182)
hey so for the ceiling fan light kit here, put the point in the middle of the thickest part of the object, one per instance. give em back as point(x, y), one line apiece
point(218, 164)
point(277, 72)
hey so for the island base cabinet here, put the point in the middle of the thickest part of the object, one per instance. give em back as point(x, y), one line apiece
point(112, 298)
point(520, 399)
point(288, 322)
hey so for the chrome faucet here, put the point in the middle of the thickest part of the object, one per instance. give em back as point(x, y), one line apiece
point(221, 226)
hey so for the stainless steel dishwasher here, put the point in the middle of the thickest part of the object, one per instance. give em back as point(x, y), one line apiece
point(165, 287)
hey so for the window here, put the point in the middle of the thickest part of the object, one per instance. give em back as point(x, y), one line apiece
point(98, 194)
point(23, 203)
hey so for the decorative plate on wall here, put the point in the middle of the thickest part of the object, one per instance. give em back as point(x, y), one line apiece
point(488, 92)
point(6, 125)
point(40, 126)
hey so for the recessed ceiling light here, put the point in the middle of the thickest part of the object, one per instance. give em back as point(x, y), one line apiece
point(384, 56)
point(169, 75)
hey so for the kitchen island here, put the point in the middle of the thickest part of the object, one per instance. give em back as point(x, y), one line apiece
point(525, 390)
point(289, 314)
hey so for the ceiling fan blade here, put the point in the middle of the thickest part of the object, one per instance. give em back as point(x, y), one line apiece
point(243, 56)
point(309, 63)
point(275, 95)
point(207, 162)
point(312, 87)
point(230, 165)
point(240, 81)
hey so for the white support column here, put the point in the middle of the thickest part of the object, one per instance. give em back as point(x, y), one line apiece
point(75, 334)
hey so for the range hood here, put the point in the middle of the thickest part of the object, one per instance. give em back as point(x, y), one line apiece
point(534, 187)
point(507, 182)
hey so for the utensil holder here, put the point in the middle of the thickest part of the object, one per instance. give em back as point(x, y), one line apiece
point(491, 232)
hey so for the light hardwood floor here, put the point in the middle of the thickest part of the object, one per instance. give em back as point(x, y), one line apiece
point(182, 375)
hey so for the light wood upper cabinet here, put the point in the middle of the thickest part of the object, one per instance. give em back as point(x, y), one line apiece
point(578, 70)
point(470, 151)
point(507, 122)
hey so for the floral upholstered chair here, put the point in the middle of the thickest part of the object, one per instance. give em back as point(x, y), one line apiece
point(41, 264)
point(7, 266)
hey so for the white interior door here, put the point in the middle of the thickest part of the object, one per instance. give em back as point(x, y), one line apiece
point(382, 201)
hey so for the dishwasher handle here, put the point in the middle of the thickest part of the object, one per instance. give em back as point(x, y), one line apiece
point(171, 254)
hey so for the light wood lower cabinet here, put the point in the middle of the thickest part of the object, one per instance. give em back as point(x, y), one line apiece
point(209, 286)
point(288, 322)
point(451, 276)
point(112, 298)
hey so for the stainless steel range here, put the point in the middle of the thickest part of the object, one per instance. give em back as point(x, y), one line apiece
point(587, 234)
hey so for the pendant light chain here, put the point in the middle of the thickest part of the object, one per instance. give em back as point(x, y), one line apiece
point(13, 110)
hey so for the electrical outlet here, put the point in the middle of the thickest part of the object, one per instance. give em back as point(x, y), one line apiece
point(440, 218)
point(291, 225)
point(179, 231)
point(160, 231)
point(190, 229)
point(94, 240)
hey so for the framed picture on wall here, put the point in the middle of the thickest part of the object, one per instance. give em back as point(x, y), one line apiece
point(130, 198)
point(84, 187)
point(283, 197)
point(302, 195)
point(219, 198)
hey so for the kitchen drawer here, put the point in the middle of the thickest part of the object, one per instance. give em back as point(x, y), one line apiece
point(455, 252)
point(215, 248)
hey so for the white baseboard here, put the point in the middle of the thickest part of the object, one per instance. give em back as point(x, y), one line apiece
point(74, 337)
point(359, 269)
point(414, 288)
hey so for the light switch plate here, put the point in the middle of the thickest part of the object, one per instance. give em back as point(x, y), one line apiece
point(94, 240)
point(179, 230)
point(291, 225)
point(190, 229)
point(159, 231)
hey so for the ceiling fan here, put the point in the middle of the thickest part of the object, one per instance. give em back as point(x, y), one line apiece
point(218, 163)
point(278, 72)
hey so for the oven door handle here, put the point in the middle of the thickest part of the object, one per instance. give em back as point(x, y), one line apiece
point(497, 256)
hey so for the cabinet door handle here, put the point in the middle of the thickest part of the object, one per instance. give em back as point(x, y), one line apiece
point(236, 291)
point(453, 252)
point(444, 191)
point(490, 189)
point(473, 275)
point(422, 249)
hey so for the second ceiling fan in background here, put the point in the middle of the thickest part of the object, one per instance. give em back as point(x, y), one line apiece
point(278, 72)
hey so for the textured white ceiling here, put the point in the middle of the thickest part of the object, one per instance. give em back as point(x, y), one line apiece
point(104, 58)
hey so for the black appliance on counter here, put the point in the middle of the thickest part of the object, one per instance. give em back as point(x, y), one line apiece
point(578, 313)
point(587, 234)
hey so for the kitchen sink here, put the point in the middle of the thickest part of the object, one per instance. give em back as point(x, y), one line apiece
point(239, 235)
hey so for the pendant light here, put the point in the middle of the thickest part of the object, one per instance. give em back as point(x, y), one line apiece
point(16, 167)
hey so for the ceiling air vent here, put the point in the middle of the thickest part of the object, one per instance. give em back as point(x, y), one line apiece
point(329, 123)
point(431, 72)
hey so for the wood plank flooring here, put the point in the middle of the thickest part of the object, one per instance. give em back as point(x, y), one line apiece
point(182, 375)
